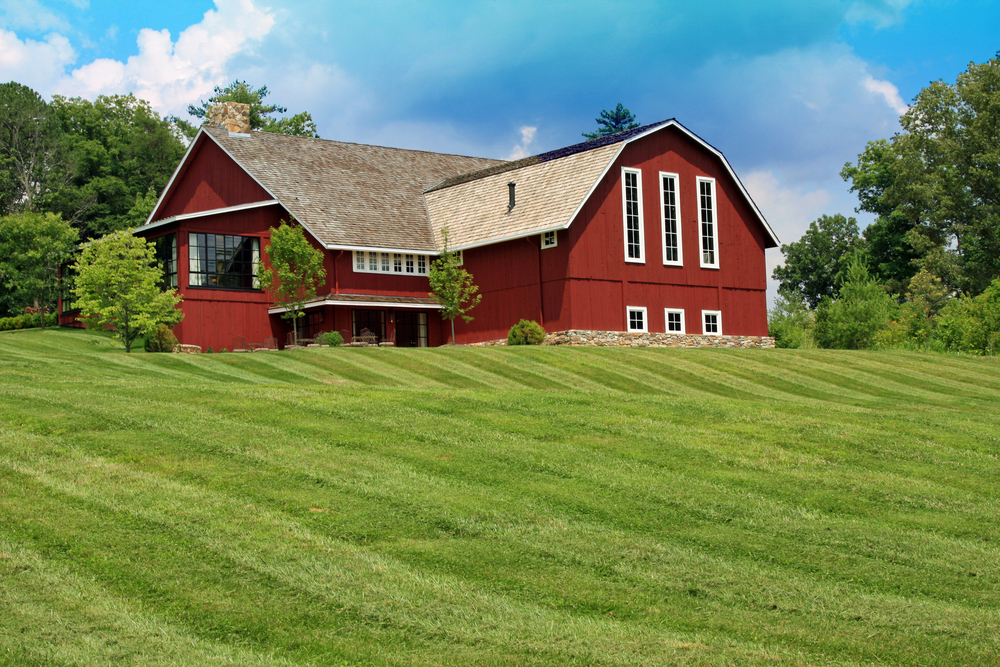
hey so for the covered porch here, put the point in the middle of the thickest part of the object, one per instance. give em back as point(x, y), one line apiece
point(372, 319)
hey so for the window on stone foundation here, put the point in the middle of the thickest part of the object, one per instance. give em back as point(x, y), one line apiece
point(636, 318)
point(711, 322)
point(675, 320)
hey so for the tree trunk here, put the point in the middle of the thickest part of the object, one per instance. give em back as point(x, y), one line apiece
point(453, 331)
point(295, 328)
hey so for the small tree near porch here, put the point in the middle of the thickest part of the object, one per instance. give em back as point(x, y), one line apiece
point(452, 286)
point(296, 271)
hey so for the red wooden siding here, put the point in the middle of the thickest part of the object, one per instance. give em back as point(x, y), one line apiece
point(582, 283)
point(209, 179)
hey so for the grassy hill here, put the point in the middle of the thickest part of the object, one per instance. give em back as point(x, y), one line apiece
point(496, 506)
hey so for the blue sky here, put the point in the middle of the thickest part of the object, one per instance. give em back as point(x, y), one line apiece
point(788, 90)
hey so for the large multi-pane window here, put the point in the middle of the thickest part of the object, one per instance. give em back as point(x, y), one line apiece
point(369, 261)
point(706, 207)
point(671, 219)
point(223, 261)
point(632, 214)
point(166, 255)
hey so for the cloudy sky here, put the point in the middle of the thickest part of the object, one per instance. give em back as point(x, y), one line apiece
point(788, 90)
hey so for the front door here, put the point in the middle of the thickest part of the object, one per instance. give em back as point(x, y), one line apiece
point(373, 320)
point(411, 329)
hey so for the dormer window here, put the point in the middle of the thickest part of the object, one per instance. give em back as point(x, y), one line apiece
point(549, 240)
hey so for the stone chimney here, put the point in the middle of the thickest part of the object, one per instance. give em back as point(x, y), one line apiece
point(234, 116)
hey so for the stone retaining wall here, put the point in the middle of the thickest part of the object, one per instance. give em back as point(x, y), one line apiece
point(581, 337)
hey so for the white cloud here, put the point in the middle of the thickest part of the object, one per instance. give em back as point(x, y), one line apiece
point(30, 15)
point(788, 210)
point(883, 13)
point(38, 65)
point(527, 138)
point(888, 91)
point(171, 75)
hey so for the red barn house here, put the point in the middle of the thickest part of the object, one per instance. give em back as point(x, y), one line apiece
point(649, 230)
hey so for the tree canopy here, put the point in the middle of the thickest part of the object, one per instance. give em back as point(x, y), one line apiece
point(296, 271)
point(32, 248)
point(121, 149)
point(299, 125)
point(117, 288)
point(32, 157)
point(815, 264)
point(616, 120)
point(935, 187)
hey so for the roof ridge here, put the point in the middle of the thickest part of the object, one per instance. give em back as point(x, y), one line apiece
point(355, 143)
point(547, 156)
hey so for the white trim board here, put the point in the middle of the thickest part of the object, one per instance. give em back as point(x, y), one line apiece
point(364, 304)
point(212, 211)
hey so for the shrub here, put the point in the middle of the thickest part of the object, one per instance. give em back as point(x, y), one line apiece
point(223, 351)
point(854, 319)
point(161, 339)
point(526, 332)
point(791, 323)
point(972, 324)
point(209, 350)
point(331, 338)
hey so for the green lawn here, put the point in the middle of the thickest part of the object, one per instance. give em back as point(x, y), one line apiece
point(496, 506)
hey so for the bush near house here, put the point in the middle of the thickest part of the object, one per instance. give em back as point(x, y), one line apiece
point(161, 339)
point(526, 332)
point(26, 322)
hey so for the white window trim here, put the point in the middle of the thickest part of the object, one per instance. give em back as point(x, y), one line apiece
point(390, 272)
point(628, 322)
point(555, 239)
point(718, 318)
point(663, 220)
point(641, 259)
point(666, 328)
point(715, 222)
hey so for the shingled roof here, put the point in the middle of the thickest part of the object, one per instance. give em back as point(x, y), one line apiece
point(550, 189)
point(347, 194)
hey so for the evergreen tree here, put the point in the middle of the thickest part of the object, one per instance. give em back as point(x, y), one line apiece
point(617, 120)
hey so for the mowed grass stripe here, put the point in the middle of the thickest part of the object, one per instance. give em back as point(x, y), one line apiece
point(428, 524)
point(399, 593)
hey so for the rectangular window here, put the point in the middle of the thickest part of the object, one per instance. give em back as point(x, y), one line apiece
point(632, 214)
point(388, 262)
point(670, 219)
point(549, 240)
point(166, 255)
point(411, 329)
point(711, 322)
point(223, 261)
point(675, 320)
point(67, 278)
point(636, 318)
point(709, 227)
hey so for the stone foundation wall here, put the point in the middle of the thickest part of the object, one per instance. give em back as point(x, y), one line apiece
point(581, 337)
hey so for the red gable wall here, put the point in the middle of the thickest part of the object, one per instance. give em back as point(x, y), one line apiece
point(209, 179)
point(585, 282)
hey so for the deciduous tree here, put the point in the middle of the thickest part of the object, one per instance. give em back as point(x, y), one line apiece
point(816, 262)
point(118, 288)
point(935, 187)
point(853, 320)
point(32, 248)
point(452, 286)
point(295, 273)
